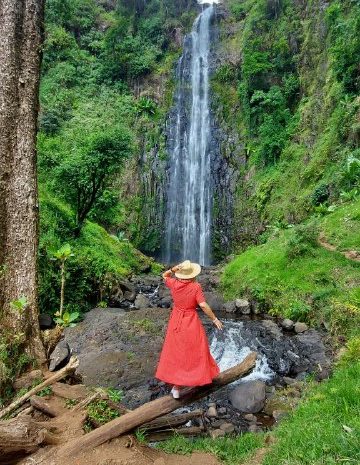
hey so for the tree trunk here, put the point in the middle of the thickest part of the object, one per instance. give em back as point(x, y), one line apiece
point(154, 409)
point(21, 37)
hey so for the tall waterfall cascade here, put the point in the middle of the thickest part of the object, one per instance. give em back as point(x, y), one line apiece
point(190, 192)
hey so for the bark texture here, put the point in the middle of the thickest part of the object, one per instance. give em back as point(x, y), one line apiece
point(21, 35)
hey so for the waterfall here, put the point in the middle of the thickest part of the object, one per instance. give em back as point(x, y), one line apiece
point(189, 193)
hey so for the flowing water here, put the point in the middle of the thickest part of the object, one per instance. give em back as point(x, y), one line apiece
point(189, 194)
point(231, 347)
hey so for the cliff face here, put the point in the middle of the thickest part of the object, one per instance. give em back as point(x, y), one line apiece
point(285, 94)
point(284, 85)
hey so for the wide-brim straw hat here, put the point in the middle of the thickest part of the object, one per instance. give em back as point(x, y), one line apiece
point(188, 270)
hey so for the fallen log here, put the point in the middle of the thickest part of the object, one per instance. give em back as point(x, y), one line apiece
point(154, 409)
point(20, 436)
point(172, 421)
point(156, 436)
point(70, 368)
point(40, 404)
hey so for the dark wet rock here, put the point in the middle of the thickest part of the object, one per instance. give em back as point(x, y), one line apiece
point(142, 301)
point(287, 324)
point(273, 329)
point(249, 397)
point(115, 351)
point(163, 291)
point(311, 347)
point(243, 306)
point(60, 356)
point(45, 321)
point(300, 327)
point(215, 301)
point(222, 410)
point(230, 307)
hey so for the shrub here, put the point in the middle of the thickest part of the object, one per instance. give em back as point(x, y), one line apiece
point(303, 240)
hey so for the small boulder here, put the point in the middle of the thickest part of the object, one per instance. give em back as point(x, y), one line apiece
point(254, 429)
point(249, 397)
point(222, 410)
point(60, 356)
point(300, 327)
point(45, 321)
point(217, 433)
point(142, 301)
point(230, 307)
point(228, 428)
point(243, 306)
point(287, 324)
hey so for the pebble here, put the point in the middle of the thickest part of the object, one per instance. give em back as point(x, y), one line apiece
point(253, 429)
point(288, 380)
point(250, 417)
point(212, 412)
point(300, 327)
point(279, 414)
point(227, 427)
point(222, 410)
point(287, 324)
point(217, 433)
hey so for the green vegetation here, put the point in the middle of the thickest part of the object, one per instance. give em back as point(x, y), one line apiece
point(94, 124)
point(325, 428)
point(229, 450)
point(292, 275)
point(99, 413)
point(291, 102)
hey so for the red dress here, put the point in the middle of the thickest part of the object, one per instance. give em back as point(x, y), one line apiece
point(185, 358)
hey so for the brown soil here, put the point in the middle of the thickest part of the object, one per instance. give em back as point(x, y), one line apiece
point(125, 450)
point(353, 255)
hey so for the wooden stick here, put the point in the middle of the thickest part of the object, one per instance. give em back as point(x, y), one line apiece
point(166, 434)
point(171, 421)
point(70, 368)
point(154, 409)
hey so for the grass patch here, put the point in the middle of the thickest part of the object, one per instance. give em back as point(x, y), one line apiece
point(229, 450)
point(314, 434)
point(292, 276)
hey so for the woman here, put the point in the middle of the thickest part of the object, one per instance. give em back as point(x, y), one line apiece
point(185, 359)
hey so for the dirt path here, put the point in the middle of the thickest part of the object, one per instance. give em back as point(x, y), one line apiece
point(349, 254)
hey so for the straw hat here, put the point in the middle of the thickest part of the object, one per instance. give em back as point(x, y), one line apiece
point(188, 270)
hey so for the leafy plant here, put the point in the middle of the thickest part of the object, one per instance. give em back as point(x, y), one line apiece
point(68, 319)
point(47, 391)
point(62, 255)
point(303, 240)
point(115, 395)
point(146, 105)
point(19, 305)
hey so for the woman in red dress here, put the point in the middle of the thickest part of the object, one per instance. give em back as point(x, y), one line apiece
point(185, 358)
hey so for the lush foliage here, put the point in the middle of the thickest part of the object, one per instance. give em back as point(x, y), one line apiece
point(290, 97)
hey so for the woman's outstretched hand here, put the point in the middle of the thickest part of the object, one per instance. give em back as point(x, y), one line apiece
point(218, 324)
